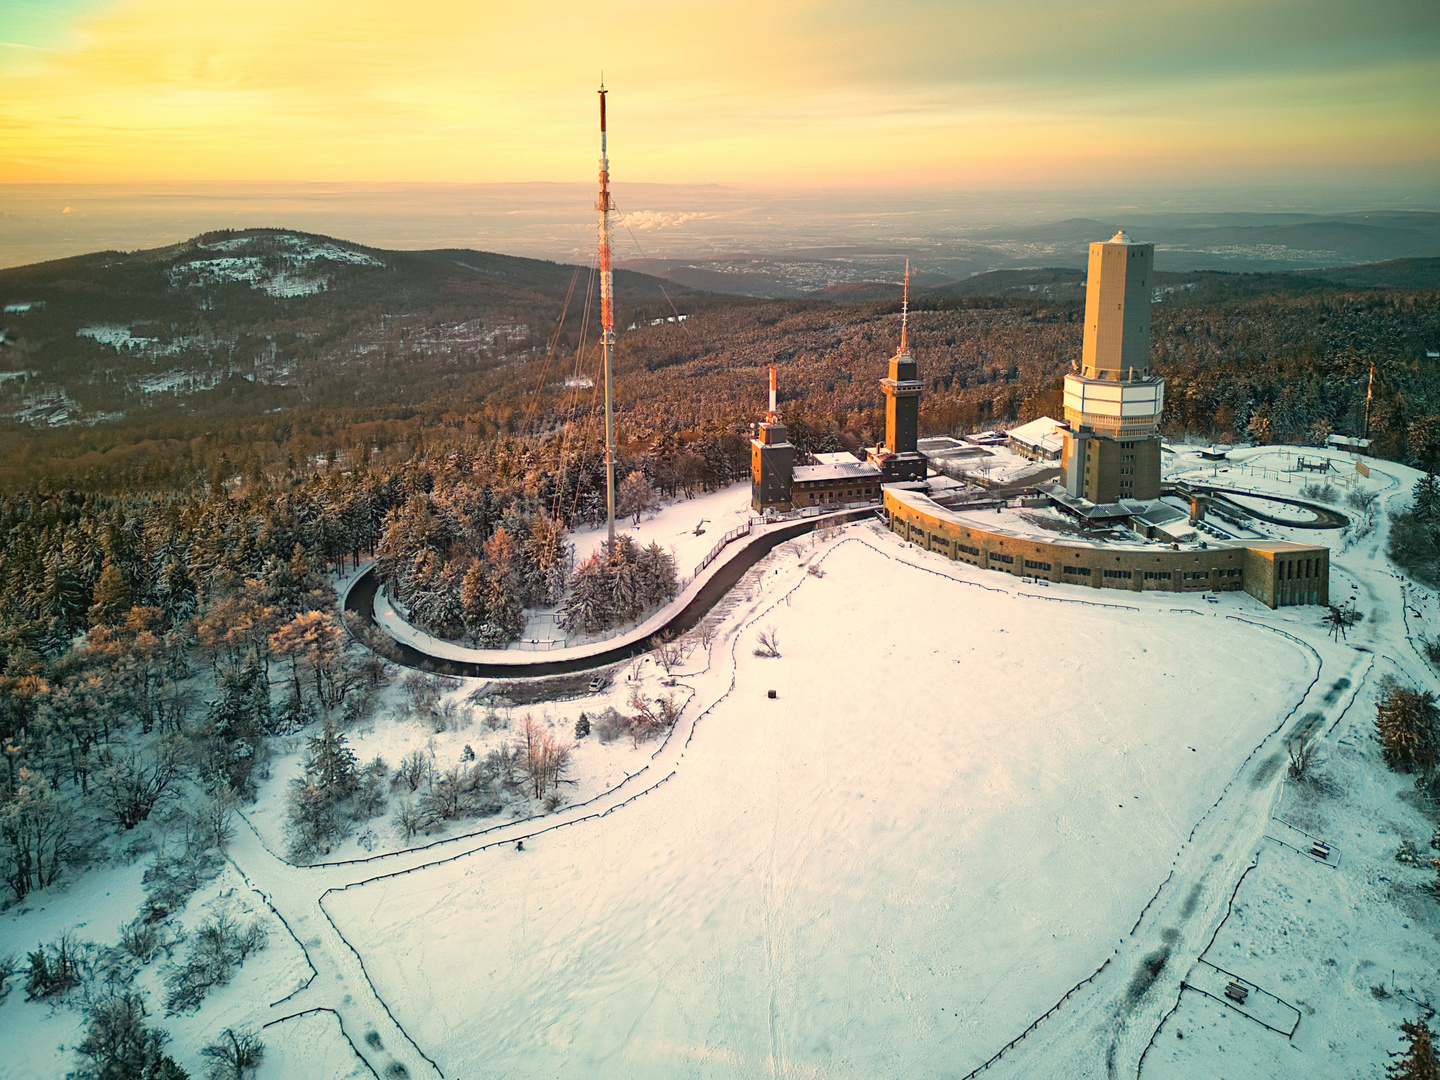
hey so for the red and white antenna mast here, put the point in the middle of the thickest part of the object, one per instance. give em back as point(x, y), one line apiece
point(774, 416)
point(607, 322)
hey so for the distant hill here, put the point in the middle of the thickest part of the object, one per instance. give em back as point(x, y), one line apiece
point(1201, 286)
point(273, 317)
point(1394, 274)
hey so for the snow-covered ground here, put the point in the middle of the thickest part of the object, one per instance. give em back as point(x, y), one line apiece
point(977, 810)
point(916, 842)
point(673, 526)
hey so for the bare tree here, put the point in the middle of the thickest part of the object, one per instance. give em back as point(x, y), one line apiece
point(706, 632)
point(234, 1054)
point(1302, 759)
point(542, 758)
point(133, 783)
point(768, 643)
point(635, 496)
point(412, 769)
point(671, 654)
point(407, 819)
point(651, 719)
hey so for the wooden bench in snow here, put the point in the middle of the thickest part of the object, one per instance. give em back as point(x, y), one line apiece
point(1312, 847)
point(1242, 995)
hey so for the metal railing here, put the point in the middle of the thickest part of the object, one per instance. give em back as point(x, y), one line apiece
point(733, 535)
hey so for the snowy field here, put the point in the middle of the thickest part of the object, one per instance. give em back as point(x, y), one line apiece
point(937, 827)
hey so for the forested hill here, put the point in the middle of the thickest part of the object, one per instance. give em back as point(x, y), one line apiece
point(267, 355)
point(265, 319)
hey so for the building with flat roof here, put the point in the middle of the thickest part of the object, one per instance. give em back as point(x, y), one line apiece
point(1036, 543)
point(1039, 440)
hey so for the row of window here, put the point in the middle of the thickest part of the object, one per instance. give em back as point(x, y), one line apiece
point(1288, 571)
point(1118, 574)
point(968, 549)
point(1078, 571)
point(1031, 564)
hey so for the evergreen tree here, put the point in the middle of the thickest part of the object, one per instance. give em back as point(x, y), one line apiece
point(112, 596)
point(1427, 499)
point(1408, 726)
point(1417, 1061)
point(330, 763)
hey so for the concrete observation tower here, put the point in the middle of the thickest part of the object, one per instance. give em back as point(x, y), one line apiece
point(1113, 405)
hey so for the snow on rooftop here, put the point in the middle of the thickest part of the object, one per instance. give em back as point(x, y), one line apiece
point(851, 470)
point(1046, 433)
point(837, 457)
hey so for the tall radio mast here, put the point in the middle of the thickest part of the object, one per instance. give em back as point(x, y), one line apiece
point(607, 323)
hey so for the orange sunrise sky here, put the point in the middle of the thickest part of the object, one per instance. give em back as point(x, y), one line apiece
point(960, 93)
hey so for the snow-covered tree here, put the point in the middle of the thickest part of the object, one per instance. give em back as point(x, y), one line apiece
point(1408, 726)
point(635, 496)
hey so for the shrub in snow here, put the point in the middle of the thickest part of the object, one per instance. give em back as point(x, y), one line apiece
point(234, 1054)
point(767, 643)
point(140, 939)
point(219, 946)
point(172, 878)
point(55, 968)
point(456, 793)
point(582, 726)
point(610, 725)
point(118, 1045)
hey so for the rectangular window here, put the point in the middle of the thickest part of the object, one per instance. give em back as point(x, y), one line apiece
point(1033, 565)
point(1078, 571)
point(1117, 573)
point(968, 549)
point(1156, 575)
point(1006, 559)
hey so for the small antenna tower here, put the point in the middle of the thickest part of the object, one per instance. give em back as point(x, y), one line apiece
point(1369, 393)
point(774, 415)
point(607, 321)
point(904, 309)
